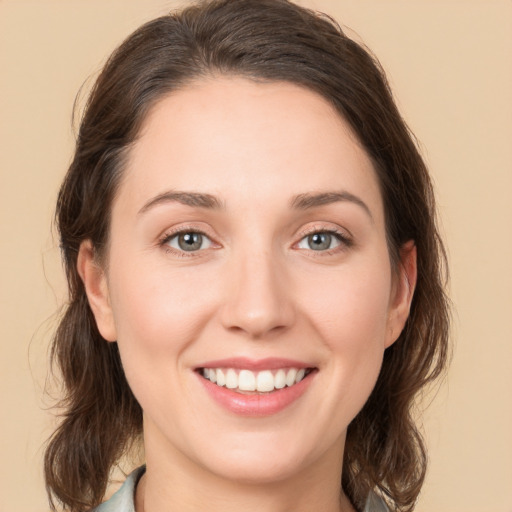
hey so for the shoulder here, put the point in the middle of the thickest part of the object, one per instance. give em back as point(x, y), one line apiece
point(123, 499)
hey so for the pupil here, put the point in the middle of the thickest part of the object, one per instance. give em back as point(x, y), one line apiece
point(319, 241)
point(190, 241)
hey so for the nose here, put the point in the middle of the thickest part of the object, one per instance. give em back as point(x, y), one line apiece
point(259, 299)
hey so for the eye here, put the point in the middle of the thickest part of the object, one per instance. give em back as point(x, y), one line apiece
point(320, 241)
point(188, 241)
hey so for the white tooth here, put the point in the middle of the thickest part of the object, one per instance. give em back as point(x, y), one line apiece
point(265, 381)
point(246, 380)
point(221, 378)
point(231, 379)
point(280, 379)
point(300, 375)
point(290, 376)
point(212, 375)
point(204, 371)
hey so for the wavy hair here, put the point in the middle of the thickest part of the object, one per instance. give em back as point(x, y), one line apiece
point(262, 40)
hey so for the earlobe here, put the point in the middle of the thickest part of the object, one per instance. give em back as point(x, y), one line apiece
point(403, 291)
point(96, 288)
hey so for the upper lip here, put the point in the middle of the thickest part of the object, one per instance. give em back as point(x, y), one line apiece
point(245, 363)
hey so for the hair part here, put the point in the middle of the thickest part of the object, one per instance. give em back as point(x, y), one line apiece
point(263, 40)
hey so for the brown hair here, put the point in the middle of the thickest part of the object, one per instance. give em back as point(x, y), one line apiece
point(271, 40)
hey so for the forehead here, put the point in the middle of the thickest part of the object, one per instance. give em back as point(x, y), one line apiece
point(245, 140)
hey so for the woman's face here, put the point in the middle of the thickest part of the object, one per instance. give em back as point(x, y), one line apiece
point(248, 247)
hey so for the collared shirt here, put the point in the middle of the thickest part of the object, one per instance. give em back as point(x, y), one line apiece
point(124, 499)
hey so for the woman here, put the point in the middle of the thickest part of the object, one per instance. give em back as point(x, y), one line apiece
point(255, 274)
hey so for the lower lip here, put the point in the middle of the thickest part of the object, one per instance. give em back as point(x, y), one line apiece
point(255, 405)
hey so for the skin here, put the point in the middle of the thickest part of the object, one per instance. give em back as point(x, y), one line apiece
point(255, 289)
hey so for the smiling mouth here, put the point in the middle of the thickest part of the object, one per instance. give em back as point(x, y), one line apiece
point(255, 382)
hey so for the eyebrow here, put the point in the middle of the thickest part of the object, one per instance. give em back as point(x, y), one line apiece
point(208, 201)
point(194, 199)
point(307, 201)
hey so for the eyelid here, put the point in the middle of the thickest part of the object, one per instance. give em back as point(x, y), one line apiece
point(311, 229)
point(170, 233)
point(174, 241)
point(342, 235)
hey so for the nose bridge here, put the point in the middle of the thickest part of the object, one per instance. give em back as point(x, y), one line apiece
point(258, 300)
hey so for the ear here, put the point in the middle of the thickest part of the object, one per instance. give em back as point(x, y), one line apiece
point(96, 288)
point(402, 292)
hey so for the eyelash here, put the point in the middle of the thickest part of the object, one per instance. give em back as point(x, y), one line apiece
point(169, 235)
point(345, 241)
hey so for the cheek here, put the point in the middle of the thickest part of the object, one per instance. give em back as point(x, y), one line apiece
point(159, 314)
point(158, 310)
point(352, 307)
point(351, 314)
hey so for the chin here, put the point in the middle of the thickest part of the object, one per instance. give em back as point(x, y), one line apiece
point(255, 471)
point(263, 458)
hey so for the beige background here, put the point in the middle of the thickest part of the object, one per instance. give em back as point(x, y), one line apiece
point(450, 64)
